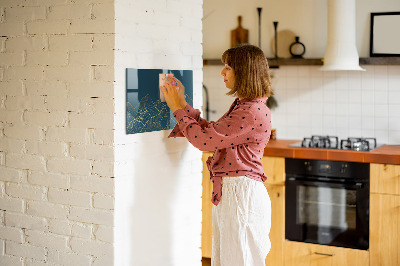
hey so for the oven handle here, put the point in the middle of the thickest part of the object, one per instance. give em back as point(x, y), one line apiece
point(357, 185)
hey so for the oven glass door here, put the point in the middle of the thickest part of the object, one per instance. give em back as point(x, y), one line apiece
point(326, 213)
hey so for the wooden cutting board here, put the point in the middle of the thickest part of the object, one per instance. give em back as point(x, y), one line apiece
point(239, 35)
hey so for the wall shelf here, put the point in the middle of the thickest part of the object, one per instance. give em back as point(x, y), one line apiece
point(380, 61)
point(274, 63)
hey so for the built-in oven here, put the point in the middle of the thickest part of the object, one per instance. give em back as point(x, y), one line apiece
point(327, 202)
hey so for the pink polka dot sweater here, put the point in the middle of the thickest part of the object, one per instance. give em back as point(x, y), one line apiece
point(238, 139)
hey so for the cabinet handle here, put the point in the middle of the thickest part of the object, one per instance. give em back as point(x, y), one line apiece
point(324, 254)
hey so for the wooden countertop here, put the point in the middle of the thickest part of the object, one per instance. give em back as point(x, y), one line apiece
point(389, 154)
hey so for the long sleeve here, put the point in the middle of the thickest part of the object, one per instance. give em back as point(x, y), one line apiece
point(232, 130)
point(238, 140)
point(193, 113)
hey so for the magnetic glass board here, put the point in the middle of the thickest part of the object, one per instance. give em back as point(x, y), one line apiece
point(145, 110)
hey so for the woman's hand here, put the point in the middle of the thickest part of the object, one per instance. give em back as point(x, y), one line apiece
point(181, 91)
point(174, 94)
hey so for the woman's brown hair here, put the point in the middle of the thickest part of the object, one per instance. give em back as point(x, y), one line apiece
point(250, 66)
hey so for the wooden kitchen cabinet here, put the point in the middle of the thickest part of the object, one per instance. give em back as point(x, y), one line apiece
point(274, 168)
point(277, 233)
point(384, 237)
point(206, 225)
point(305, 254)
point(385, 178)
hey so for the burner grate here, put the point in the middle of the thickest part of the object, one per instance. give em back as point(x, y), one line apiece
point(327, 142)
point(358, 144)
point(332, 142)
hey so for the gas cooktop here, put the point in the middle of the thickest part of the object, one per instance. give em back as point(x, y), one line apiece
point(332, 142)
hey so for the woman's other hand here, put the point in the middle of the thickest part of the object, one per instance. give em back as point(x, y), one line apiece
point(174, 94)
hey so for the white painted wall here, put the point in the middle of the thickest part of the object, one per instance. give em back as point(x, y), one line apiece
point(311, 102)
point(158, 180)
point(56, 132)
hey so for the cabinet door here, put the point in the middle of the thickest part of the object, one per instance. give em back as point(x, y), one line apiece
point(384, 230)
point(304, 254)
point(277, 233)
point(206, 226)
point(385, 178)
point(274, 168)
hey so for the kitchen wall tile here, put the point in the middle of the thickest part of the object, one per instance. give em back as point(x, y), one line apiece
point(304, 82)
point(355, 109)
point(394, 82)
point(355, 75)
point(305, 95)
point(367, 133)
point(329, 122)
point(291, 71)
point(394, 123)
point(317, 120)
point(368, 122)
point(380, 71)
point(381, 110)
point(354, 84)
point(316, 82)
point(393, 71)
point(367, 110)
point(394, 97)
point(394, 137)
point(293, 120)
point(355, 132)
point(317, 107)
point(304, 109)
point(394, 110)
point(381, 122)
point(329, 109)
point(315, 72)
point(367, 83)
point(317, 131)
point(328, 74)
point(381, 97)
point(278, 71)
point(355, 122)
point(329, 93)
point(380, 84)
point(317, 95)
point(342, 133)
point(367, 96)
point(292, 82)
point(342, 80)
point(278, 83)
point(381, 136)
point(342, 122)
point(342, 109)
point(369, 70)
point(304, 72)
point(355, 96)
point(342, 96)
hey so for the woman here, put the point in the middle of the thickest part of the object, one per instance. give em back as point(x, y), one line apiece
point(242, 208)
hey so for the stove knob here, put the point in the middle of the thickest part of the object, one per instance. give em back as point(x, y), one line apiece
point(308, 166)
point(343, 168)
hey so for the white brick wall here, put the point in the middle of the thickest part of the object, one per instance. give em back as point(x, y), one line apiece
point(62, 138)
point(56, 132)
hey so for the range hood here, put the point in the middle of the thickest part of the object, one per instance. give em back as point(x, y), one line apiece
point(341, 51)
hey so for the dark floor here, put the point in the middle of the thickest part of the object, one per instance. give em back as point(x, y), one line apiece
point(206, 261)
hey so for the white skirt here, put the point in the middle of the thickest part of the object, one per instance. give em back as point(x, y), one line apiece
point(241, 223)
